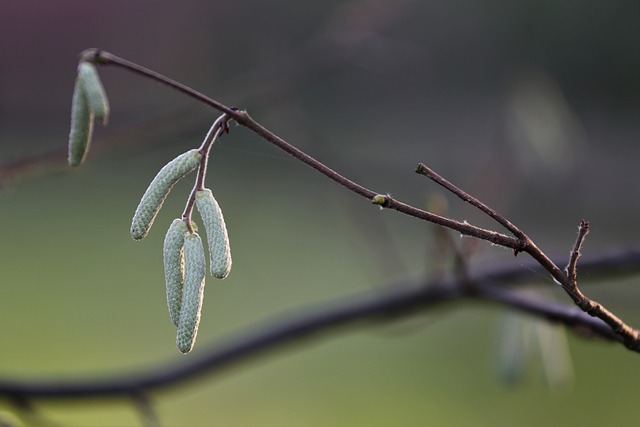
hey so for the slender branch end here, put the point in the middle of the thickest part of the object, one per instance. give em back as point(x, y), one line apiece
point(422, 169)
point(584, 227)
point(571, 268)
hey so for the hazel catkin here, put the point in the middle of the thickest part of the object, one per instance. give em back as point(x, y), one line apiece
point(159, 189)
point(217, 236)
point(173, 256)
point(94, 91)
point(192, 292)
point(81, 125)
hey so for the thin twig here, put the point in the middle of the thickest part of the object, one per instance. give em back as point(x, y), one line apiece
point(102, 57)
point(525, 244)
point(629, 335)
point(217, 128)
point(242, 117)
point(422, 169)
point(568, 280)
point(572, 275)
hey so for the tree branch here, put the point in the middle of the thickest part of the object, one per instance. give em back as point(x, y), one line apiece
point(521, 242)
point(101, 57)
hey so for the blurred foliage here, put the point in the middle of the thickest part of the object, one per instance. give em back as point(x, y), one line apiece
point(530, 106)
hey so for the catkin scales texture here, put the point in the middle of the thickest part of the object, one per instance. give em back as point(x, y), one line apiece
point(81, 125)
point(193, 292)
point(94, 91)
point(217, 237)
point(173, 256)
point(158, 191)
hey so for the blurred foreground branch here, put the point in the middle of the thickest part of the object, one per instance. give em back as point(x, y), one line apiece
point(396, 301)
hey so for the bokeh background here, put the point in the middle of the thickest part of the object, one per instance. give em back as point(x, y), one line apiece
point(532, 106)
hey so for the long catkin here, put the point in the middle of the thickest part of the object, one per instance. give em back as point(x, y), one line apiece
point(192, 293)
point(173, 256)
point(94, 91)
point(217, 236)
point(159, 189)
point(81, 125)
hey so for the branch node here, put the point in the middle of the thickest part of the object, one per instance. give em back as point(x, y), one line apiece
point(522, 245)
point(592, 308)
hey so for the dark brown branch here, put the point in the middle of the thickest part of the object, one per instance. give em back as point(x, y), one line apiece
point(101, 57)
point(524, 242)
point(422, 169)
point(567, 279)
point(629, 335)
point(242, 117)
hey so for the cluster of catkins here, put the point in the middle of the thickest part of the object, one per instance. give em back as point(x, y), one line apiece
point(184, 256)
point(184, 259)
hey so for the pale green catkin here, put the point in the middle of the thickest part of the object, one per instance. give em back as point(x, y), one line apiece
point(174, 266)
point(81, 125)
point(217, 238)
point(192, 293)
point(158, 191)
point(96, 96)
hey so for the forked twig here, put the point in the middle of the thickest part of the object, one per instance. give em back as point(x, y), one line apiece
point(422, 169)
point(218, 127)
point(568, 279)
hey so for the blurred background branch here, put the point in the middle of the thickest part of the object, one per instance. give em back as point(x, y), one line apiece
point(395, 301)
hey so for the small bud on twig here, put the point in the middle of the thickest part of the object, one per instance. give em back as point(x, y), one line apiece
point(379, 199)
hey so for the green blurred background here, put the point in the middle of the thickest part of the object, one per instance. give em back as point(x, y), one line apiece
point(531, 106)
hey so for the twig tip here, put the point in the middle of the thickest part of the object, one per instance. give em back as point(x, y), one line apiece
point(421, 169)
